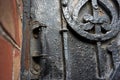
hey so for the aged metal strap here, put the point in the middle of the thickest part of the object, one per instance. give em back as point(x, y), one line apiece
point(64, 33)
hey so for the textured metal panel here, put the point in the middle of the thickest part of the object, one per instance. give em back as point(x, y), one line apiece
point(74, 40)
point(48, 12)
point(93, 26)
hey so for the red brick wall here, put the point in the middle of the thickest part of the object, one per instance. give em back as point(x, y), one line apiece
point(10, 39)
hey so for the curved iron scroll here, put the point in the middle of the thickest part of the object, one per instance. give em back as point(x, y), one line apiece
point(99, 24)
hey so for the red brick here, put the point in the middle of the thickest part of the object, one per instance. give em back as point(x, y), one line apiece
point(6, 60)
point(16, 64)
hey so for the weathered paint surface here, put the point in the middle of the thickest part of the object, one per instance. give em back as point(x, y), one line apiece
point(10, 39)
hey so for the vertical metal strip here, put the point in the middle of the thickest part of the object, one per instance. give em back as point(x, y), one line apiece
point(98, 31)
point(25, 41)
point(64, 30)
point(44, 51)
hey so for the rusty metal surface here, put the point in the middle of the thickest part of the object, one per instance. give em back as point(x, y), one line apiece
point(74, 40)
point(25, 58)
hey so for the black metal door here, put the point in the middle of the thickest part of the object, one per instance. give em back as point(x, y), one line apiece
point(71, 40)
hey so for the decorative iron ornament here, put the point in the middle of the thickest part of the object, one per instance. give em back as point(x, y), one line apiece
point(99, 24)
point(93, 20)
